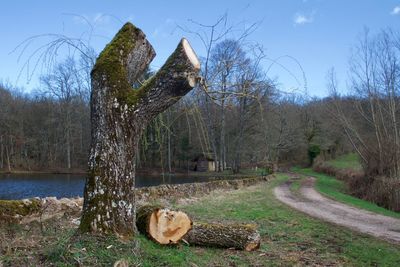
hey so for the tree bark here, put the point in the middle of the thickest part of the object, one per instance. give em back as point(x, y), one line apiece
point(238, 236)
point(8, 158)
point(162, 225)
point(1, 153)
point(169, 142)
point(118, 116)
point(68, 142)
point(238, 148)
point(222, 138)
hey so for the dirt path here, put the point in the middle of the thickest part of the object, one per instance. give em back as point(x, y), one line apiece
point(314, 204)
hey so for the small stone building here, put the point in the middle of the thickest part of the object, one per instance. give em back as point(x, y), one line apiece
point(203, 163)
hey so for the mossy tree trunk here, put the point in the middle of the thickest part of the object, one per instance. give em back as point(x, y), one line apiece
point(119, 114)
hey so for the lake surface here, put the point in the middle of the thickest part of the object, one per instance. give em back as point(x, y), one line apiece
point(19, 186)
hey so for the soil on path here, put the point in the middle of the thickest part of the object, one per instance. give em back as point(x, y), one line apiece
point(311, 202)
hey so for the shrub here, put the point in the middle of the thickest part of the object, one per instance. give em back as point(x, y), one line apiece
point(313, 152)
point(380, 190)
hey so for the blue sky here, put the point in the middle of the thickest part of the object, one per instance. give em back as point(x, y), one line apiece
point(318, 33)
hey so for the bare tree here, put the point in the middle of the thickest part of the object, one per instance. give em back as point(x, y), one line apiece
point(370, 117)
point(64, 86)
point(375, 81)
point(6, 135)
point(212, 35)
point(119, 114)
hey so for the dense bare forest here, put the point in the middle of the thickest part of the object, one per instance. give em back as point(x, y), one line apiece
point(49, 129)
point(242, 120)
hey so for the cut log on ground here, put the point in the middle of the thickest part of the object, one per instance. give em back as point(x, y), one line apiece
point(166, 226)
point(162, 225)
point(237, 236)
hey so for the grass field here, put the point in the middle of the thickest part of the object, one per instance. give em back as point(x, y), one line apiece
point(347, 161)
point(288, 238)
point(336, 189)
point(243, 172)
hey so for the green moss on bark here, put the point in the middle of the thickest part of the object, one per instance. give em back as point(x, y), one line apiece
point(111, 64)
point(171, 65)
point(111, 60)
point(89, 216)
point(133, 96)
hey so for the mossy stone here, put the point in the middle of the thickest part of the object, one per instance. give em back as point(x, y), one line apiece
point(19, 207)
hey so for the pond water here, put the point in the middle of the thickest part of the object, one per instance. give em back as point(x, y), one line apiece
point(19, 186)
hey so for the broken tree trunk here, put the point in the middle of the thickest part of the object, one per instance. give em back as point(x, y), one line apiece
point(119, 114)
point(237, 236)
point(162, 225)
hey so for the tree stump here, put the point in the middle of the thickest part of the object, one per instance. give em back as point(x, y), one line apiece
point(119, 114)
point(162, 225)
point(237, 236)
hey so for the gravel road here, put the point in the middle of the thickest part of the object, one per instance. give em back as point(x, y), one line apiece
point(311, 202)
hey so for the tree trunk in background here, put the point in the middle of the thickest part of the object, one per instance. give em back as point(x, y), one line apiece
point(211, 133)
point(238, 148)
point(222, 138)
point(68, 133)
point(118, 116)
point(169, 141)
point(1, 153)
point(222, 149)
point(8, 159)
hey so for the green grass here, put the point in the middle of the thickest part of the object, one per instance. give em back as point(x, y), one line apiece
point(90, 250)
point(288, 238)
point(347, 161)
point(336, 189)
point(242, 172)
point(295, 186)
point(259, 171)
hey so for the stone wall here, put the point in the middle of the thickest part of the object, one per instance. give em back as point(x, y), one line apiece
point(29, 209)
point(178, 191)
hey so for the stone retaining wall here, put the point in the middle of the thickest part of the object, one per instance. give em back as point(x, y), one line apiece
point(177, 191)
point(49, 206)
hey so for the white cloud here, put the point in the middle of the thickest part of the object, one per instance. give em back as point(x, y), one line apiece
point(396, 10)
point(301, 19)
